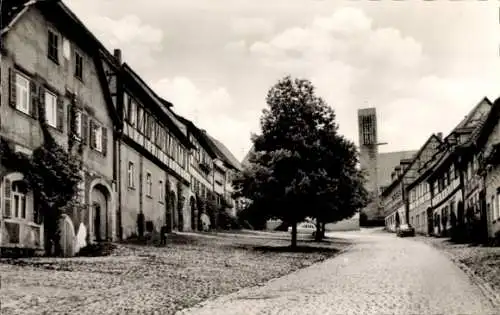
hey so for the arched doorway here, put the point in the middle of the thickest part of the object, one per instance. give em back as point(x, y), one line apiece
point(398, 219)
point(99, 220)
point(430, 221)
point(194, 214)
point(171, 212)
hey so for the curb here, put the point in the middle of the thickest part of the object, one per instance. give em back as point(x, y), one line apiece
point(485, 287)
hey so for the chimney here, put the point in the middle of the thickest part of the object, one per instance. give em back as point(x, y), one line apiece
point(440, 135)
point(118, 55)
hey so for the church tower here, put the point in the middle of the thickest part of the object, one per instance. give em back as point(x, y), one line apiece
point(368, 149)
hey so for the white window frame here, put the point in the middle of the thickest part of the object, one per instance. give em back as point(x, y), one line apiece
point(16, 209)
point(23, 93)
point(149, 184)
point(51, 109)
point(98, 137)
point(131, 175)
point(133, 112)
point(78, 125)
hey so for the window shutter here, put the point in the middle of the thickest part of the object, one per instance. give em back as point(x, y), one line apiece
point(104, 143)
point(12, 89)
point(85, 128)
point(92, 134)
point(60, 113)
point(34, 99)
point(7, 197)
point(41, 101)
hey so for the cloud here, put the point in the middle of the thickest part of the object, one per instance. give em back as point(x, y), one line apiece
point(245, 26)
point(210, 109)
point(236, 46)
point(355, 64)
point(138, 41)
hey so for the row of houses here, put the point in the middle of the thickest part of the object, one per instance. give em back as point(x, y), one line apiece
point(140, 157)
point(451, 183)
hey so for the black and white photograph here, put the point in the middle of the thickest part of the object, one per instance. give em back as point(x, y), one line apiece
point(248, 157)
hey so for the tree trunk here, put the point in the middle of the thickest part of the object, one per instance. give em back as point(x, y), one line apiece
point(318, 237)
point(294, 234)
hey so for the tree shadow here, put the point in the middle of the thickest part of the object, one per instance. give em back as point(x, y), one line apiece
point(297, 249)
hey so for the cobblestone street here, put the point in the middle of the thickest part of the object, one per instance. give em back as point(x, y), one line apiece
point(381, 274)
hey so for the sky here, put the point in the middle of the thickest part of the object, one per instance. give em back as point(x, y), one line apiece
point(422, 64)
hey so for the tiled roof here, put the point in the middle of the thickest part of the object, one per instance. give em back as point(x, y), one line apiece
point(229, 157)
point(386, 162)
point(10, 10)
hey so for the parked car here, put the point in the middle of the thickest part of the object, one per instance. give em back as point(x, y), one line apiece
point(305, 228)
point(405, 230)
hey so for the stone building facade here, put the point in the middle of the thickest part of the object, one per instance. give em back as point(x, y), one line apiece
point(136, 153)
point(49, 59)
point(450, 189)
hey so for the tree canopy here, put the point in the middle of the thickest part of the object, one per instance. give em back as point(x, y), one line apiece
point(301, 167)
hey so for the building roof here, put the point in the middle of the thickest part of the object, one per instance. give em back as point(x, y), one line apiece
point(471, 125)
point(159, 108)
point(226, 154)
point(481, 136)
point(201, 136)
point(386, 162)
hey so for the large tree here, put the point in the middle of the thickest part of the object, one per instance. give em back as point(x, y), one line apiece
point(301, 167)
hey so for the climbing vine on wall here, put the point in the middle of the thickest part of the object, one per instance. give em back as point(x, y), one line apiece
point(53, 174)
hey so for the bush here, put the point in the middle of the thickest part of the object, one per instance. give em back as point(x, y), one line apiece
point(228, 222)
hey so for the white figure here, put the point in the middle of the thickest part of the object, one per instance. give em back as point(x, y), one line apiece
point(205, 220)
point(80, 239)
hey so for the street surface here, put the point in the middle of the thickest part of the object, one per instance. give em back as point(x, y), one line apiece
point(381, 274)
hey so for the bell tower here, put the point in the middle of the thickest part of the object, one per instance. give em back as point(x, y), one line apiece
point(368, 154)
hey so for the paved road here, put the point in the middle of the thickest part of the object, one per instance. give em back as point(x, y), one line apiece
point(381, 274)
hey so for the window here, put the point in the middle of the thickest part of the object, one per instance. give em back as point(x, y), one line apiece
point(78, 66)
point(149, 184)
point(96, 137)
point(162, 192)
point(368, 129)
point(132, 112)
point(51, 109)
point(131, 175)
point(22, 93)
point(452, 172)
point(78, 125)
point(19, 191)
point(140, 124)
point(53, 51)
